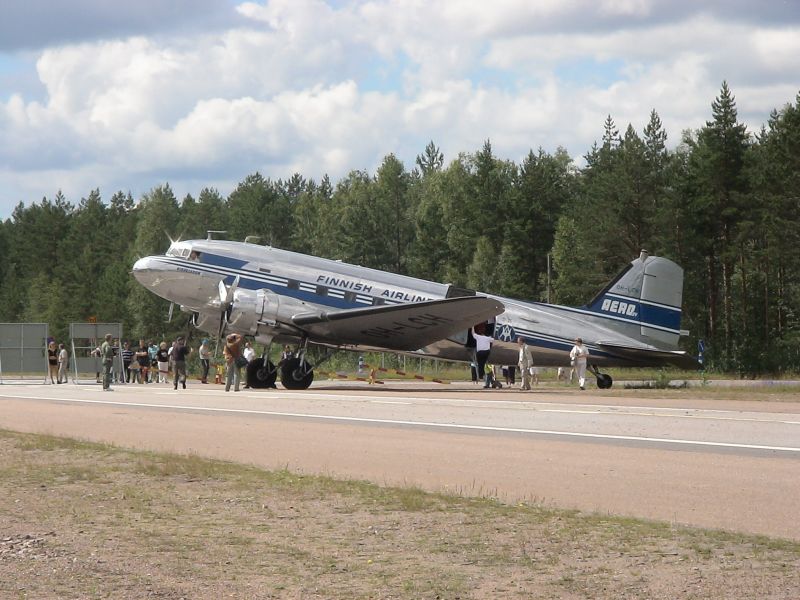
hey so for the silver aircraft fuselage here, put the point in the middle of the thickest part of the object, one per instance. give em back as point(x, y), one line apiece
point(273, 286)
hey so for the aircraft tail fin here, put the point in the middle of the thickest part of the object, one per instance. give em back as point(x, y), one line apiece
point(647, 296)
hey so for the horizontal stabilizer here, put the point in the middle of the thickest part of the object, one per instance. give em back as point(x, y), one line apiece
point(402, 327)
point(676, 358)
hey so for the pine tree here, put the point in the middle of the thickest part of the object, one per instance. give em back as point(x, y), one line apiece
point(718, 162)
point(431, 161)
point(391, 190)
point(158, 215)
point(257, 207)
point(482, 271)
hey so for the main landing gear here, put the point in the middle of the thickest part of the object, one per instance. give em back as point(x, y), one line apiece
point(262, 373)
point(296, 372)
point(604, 380)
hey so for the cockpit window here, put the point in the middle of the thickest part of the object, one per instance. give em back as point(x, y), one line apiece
point(183, 252)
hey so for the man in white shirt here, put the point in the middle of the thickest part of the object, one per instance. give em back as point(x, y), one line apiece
point(249, 354)
point(205, 359)
point(63, 363)
point(483, 345)
point(578, 356)
point(525, 363)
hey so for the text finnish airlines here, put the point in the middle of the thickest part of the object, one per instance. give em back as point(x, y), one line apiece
point(358, 286)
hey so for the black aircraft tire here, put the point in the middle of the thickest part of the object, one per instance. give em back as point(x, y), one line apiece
point(260, 375)
point(293, 377)
point(604, 381)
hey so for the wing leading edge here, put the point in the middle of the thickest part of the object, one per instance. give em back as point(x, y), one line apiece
point(402, 327)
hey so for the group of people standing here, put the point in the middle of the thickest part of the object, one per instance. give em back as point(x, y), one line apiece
point(151, 363)
point(578, 356)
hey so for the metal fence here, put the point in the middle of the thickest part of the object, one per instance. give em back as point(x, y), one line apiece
point(85, 339)
point(23, 352)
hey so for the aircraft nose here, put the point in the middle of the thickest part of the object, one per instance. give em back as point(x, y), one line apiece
point(144, 269)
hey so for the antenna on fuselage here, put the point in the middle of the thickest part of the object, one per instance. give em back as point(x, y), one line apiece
point(210, 231)
point(252, 239)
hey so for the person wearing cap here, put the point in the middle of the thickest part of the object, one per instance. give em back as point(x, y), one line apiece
point(205, 359)
point(233, 353)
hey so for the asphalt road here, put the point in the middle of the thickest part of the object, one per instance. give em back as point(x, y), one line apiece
point(733, 465)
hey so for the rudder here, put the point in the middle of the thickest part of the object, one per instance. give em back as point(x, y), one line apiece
point(649, 293)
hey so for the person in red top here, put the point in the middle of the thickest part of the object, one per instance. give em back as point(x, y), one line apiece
point(232, 352)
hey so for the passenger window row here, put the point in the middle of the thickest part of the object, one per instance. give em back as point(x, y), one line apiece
point(321, 290)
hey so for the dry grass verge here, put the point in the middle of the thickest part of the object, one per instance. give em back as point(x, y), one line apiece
point(82, 520)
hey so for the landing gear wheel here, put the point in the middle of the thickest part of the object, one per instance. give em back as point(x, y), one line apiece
point(261, 374)
point(604, 381)
point(295, 376)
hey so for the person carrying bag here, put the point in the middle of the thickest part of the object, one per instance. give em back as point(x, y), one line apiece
point(233, 357)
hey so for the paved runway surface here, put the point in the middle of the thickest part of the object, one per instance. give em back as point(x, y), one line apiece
point(707, 462)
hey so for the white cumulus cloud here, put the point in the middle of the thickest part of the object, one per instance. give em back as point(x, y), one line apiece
point(320, 87)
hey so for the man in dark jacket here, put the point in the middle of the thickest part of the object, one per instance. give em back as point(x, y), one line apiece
point(179, 354)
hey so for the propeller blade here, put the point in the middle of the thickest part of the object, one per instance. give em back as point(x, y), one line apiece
point(221, 327)
point(223, 293)
point(226, 295)
point(232, 290)
point(171, 308)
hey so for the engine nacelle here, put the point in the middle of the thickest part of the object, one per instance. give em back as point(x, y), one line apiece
point(245, 311)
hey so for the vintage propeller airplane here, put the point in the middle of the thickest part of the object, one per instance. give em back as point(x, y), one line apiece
point(285, 297)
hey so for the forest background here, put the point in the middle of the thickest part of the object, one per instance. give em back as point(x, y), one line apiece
point(724, 204)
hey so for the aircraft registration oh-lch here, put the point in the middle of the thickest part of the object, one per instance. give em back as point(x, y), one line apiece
point(280, 296)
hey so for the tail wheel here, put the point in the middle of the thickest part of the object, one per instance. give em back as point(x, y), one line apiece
point(261, 373)
point(296, 376)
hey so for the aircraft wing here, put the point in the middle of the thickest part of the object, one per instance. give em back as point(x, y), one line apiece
point(676, 358)
point(402, 327)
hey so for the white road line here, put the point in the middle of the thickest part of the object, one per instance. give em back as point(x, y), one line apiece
point(615, 413)
point(596, 409)
point(388, 402)
point(454, 426)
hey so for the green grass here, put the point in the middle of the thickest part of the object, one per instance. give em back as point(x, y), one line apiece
point(184, 526)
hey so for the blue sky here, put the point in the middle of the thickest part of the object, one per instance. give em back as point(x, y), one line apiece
point(130, 95)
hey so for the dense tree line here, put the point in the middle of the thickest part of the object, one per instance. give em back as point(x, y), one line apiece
point(724, 205)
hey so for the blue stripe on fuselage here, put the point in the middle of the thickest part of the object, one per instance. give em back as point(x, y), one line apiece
point(230, 268)
point(544, 341)
point(222, 261)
